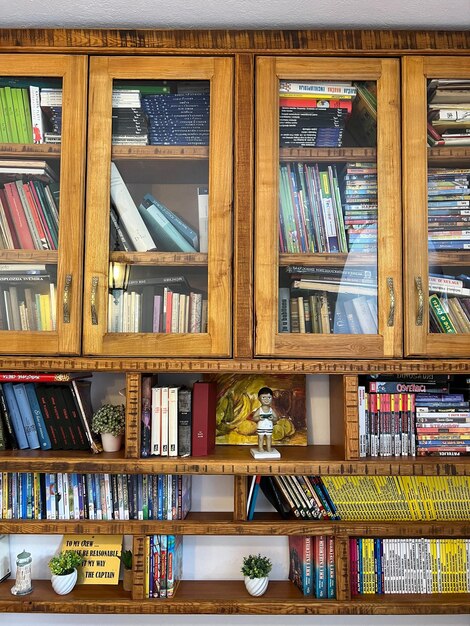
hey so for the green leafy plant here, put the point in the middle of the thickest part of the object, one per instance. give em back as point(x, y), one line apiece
point(110, 419)
point(126, 558)
point(65, 562)
point(256, 566)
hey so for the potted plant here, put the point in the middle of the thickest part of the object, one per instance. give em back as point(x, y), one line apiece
point(110, 421)
point(63, 567)
point(256, 570)
point(126, 560)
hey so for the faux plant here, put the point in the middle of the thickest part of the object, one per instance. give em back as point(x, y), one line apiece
point(65, 562)
point(256, 566)
point(110, 419)
point(126, 559)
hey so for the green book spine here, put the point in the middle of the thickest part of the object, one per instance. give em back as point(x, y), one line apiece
point(444, 321)
point(27, 113)
point(3, 118)
point(20, 118)
point(13, 137)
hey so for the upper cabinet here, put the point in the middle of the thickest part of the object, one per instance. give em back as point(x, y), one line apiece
point(42, 181)
point(328, 267)
point(158, 267)
point(436, 170)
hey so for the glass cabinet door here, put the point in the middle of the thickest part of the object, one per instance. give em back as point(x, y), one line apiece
point(42, 165)
point(158, 260)
point(437, 205)
point(328, 242)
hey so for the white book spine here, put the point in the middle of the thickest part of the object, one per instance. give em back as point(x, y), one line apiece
point(203, 213)
point(36, 115)
point(129, 214)
point(173, 421)
point(155, 425)
point(164, 415)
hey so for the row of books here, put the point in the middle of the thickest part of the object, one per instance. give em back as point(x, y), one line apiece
point(29, 209)
point(301, 311)
point(449, 314)
point(449, 112)
point(399, 498)
point(421, 565)
point(22, 118)
point(163, 565)
point(177, 421)
point(27, 302)
point(312, 565)
point(356, 498)
point(152, 225)
point(147, 311)
point(46, 416)
point(76, 496)
point(409, 417)
point(323, 210)
point(448, 202)
point(314, 113)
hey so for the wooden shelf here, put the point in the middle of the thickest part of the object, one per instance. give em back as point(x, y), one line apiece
point(327, 154)
point(221, 597)
point(198, 259)
point(448, 155)
point(233, 460)
point(29, 256)
point(160, 152)
point(327, 259)
point(450, 257)
point(222, 523)
point(30, 150)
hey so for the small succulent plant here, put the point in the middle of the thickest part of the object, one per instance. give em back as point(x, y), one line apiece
point(109, 418)
point(256, 566)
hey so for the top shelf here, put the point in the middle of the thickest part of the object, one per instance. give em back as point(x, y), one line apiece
point(50, 150)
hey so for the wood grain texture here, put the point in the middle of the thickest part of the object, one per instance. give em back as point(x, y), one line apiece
point(243, 208)
point(240, 497)
point(322, 459)
point(344, 404)
point(133, 416)
point(329, 42)
point(342, 564)
point(223, 523)
point(227, 597)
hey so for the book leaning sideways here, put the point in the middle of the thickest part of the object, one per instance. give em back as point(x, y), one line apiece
point(129, 213)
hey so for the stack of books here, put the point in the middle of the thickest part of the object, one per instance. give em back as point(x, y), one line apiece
point(180, 119)
point(449, 303)
point(442, 424)
point(314, 113)
point(448, 202)
point(51, 105)
point(360, 207)
point(449, 112)
point(129, 123)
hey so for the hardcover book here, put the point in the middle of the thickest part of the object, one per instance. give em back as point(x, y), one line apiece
point(301, 563)
point(237, 400)
point(204, 402)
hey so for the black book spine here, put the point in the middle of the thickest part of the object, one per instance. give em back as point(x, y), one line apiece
point(55, 435)
point(11, 440)
point(75, 422)
point(63, 418)
point(184, 422)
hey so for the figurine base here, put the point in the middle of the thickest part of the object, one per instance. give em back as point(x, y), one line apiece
point(274, 454)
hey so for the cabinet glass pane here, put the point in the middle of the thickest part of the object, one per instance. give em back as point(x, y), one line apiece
point(328, 207)
point(159, 202)
point(30, 134)
point(449, 205)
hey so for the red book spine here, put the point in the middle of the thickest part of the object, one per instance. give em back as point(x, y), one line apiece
point(11, 224)
point(20, 377)
point(203, 429)
point(19, 217)
point(36, 217)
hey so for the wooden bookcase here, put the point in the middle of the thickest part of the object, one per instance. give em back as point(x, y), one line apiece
point(242, 267)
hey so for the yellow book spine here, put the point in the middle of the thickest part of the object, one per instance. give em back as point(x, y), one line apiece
point(147, 567)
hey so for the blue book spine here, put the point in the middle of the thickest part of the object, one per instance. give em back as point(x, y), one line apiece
point(251, 511)
point(43, 435)
point(182, 227)
point(160, 497)
point(16, 420)
point(169, 238)
point(24, 495)
point(26, 416)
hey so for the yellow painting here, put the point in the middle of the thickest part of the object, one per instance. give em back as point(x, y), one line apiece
point(237, 400)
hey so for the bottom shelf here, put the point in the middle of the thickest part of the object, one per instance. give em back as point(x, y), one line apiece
point(224, 597)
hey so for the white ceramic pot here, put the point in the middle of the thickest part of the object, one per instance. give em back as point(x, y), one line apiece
point(256, 586)
point(65, 583)
point(110, 442)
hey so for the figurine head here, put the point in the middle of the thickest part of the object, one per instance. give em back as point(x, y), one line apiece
point(265, 395)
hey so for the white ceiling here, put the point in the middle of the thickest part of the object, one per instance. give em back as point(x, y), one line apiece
point(308, 14)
